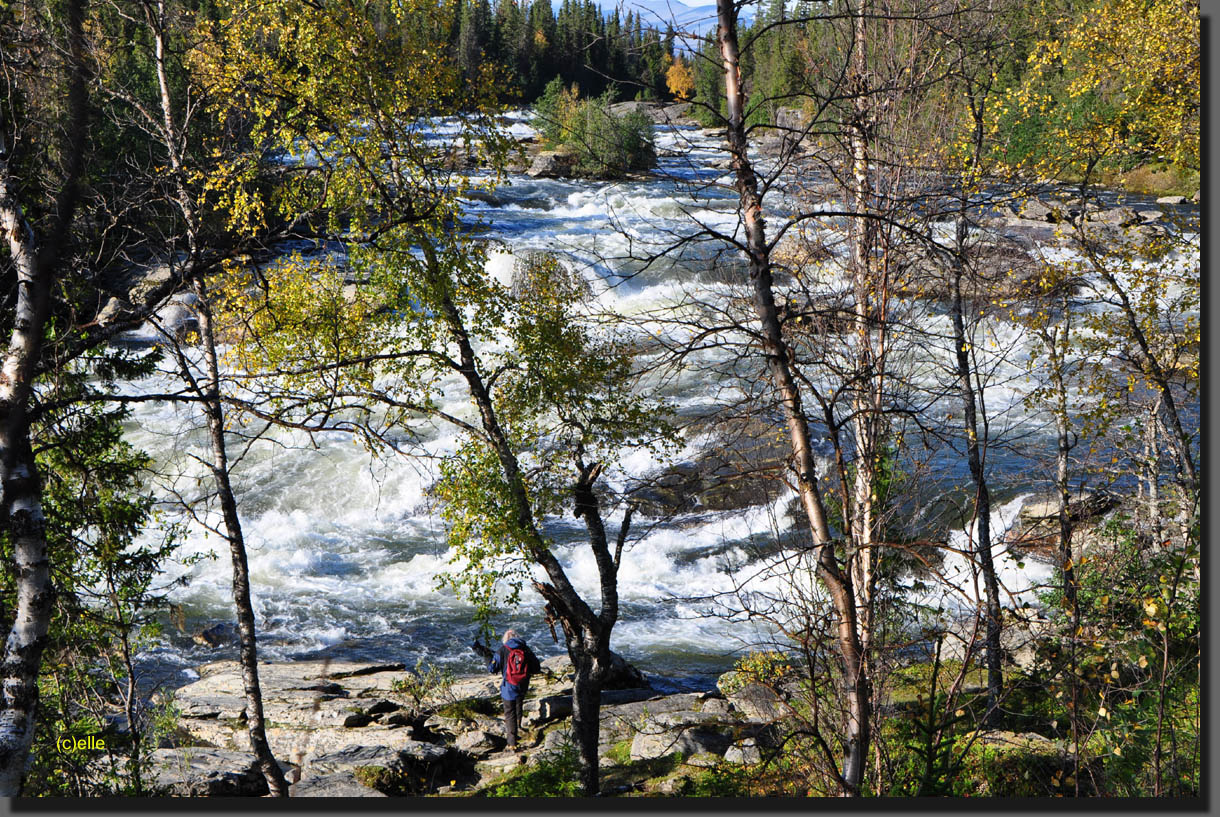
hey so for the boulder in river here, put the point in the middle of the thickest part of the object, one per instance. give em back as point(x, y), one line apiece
point(552, 164)
point(218, 635)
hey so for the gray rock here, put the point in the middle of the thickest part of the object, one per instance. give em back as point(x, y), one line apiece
point(408, 755)
point(705, 759)
point(383, 707)
point(757, 703)
point(402, 719)
point(650, 109)
point(347, 669)
point(354, 757)
point(552, 164)
point(222, 707)
point(420, 752)
point(1172, 200)
point(198, 772)
point(638, 712)
point(745, 752)
point(537, 711)
point(1038, 210)
point(449, 726)
point(1120, 216)
point(614, 697)
point(1090, 506)
point(671, 113)
point(144, 283)
point(692, 741)
point(1027, 231)
point(112, 312)
point(681, 717)
point(790, 118)
point(715, 706)
point(621, 676)
point(479, 743)
point(341, 784)
point(556, 739)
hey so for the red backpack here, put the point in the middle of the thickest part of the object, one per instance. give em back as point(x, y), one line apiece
point(516, 669)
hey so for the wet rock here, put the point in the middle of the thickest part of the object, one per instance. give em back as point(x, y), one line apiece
point(218, 635)
point(1172, 200)
point(1087, 507)
point(1037, 528)
point(622, 675)
point(738, 469)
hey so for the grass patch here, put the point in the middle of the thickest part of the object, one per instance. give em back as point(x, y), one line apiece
point(1159, 180)
point(468, 709)
point(908, 683)
point(641, 774)
point(620, 753)
point(556, 774)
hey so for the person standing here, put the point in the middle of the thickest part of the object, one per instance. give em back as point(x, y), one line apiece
point(516, 663)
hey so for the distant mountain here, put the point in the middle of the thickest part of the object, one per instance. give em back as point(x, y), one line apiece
point(683, 17)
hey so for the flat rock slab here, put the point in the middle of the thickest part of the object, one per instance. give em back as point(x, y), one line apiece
point(689, 742)
point(350, 758)
point(199, 772)
point(303, 745)
point(340, 784)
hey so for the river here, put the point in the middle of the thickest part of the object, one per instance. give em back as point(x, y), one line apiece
point(344, 547)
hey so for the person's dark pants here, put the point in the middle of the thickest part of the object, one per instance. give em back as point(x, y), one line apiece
point(512, 719)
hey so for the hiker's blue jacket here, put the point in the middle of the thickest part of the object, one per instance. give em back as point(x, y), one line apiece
point(511, 692)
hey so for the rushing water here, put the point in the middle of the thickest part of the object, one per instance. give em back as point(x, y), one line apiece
point(344, 548)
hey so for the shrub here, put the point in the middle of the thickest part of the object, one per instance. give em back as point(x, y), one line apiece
point(427, 681)
point(555, 774)
point(606, 145)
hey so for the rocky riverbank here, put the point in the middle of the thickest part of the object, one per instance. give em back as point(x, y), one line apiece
point(343, 729)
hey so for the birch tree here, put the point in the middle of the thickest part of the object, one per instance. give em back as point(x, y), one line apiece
point(412, 314)
point(35, 252)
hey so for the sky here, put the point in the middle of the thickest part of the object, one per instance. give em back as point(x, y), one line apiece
point(692, 15)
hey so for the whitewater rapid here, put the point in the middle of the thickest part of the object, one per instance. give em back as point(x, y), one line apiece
point(345, 547)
